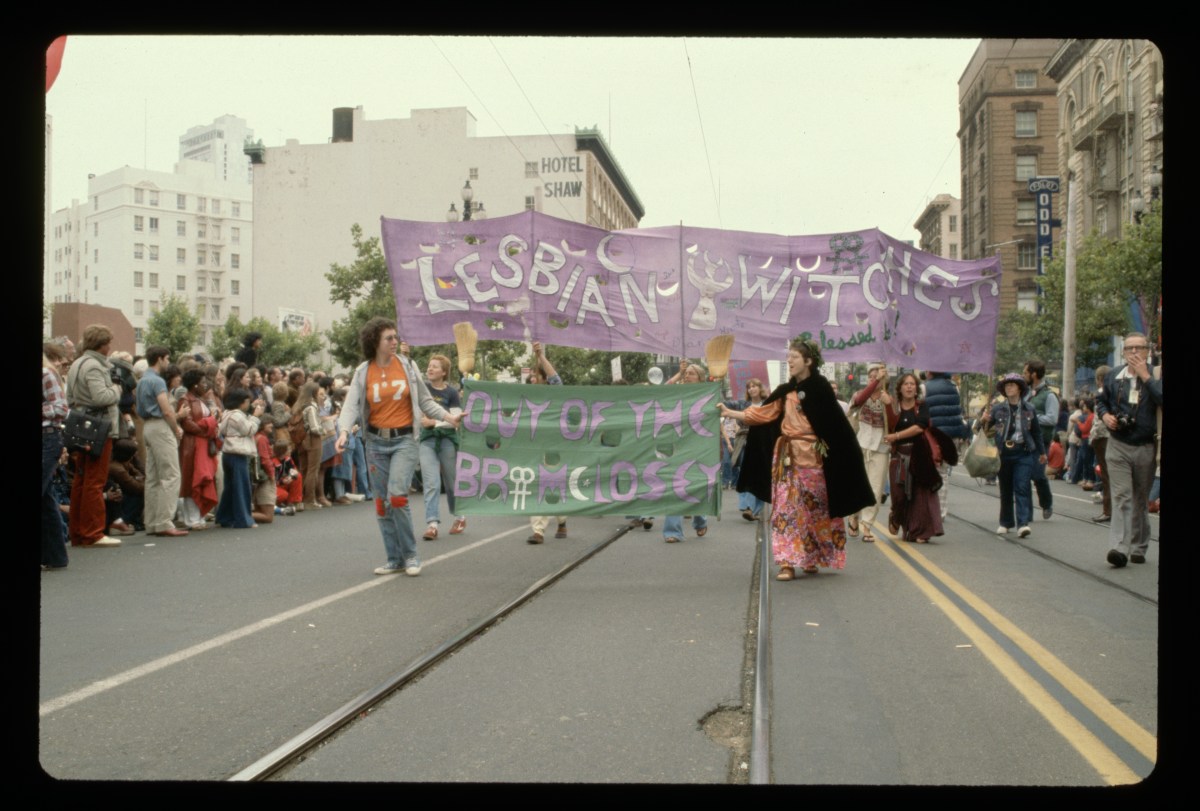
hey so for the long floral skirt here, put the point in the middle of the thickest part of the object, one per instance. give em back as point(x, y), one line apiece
point(802, 533)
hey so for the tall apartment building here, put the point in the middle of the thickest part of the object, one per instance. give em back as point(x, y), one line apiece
point(143, 235)
point(1111, 133)
point(307, 196)
point(1008, 126)
point(221, 143)
point(939, 227)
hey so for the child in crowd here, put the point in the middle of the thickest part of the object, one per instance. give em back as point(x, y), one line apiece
point(289, 486)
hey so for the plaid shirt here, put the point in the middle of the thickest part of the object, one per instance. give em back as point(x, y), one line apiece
point(54, 402)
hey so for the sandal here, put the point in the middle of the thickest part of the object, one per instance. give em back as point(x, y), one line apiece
point(852, 525)
point(811, 570)
point(893, 527)
point(749, 516)
point(786, 573)
point(672, 539)
point(700, 533)
point(867, 537)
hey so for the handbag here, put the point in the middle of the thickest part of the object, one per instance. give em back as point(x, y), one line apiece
point(85, 431)
point(983, 458)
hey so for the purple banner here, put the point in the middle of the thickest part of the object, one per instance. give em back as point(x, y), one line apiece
point(863, 295)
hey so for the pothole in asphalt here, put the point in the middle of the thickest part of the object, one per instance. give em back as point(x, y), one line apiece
point(729, 726)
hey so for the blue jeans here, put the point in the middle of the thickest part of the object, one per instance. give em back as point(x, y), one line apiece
point(391, 463)
point(1017, 470)
point(673, 525)
point(749, 501)
point(359, 458)
point(54, 539)
point(437, 466)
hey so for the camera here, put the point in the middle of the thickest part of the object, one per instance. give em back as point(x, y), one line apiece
point(1124, 421)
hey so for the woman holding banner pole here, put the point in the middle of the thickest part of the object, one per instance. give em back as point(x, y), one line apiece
point(817, 473)
point(673, 524)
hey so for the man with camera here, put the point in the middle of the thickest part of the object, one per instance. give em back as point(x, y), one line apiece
point(1128, 404)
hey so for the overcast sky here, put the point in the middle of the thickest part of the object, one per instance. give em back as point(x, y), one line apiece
point(788, 136)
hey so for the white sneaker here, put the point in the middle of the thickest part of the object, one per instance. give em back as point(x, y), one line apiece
point(412, 568)
point(1001, 530)
point(389, 570)
point(355, 496)
point(1098, 498)
point(1023, 532)
point(106, 541)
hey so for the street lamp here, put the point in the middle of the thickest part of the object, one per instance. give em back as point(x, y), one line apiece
point(468, 209)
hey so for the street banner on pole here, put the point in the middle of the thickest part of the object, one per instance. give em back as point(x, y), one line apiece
point(589, 450)
point(862, 295)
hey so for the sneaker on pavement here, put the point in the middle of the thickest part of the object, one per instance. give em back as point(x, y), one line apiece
point(105, 541)
point(412, 568)
point(1001, 530)
point(1136, 558)
point(389, 569)
point(1023, 532)
point(1047, 512)
point(1116, 559)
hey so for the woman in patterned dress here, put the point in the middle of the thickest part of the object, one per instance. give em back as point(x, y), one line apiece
point(817, 473)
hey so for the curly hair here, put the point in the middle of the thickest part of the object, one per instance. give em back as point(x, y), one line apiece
point(372, 331)
point(809, 349)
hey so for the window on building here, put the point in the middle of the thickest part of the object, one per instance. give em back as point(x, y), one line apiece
point(180, 228)
point(139, 195)
point(181, 202)
point(473, 173)
point(95, 229)
point(153, 198)
point(139, 222)
point(202, 204)
point(1027, 124)
point(1026, 212)
point(201, 256)
point(236, 209)
point(982, 215)
point(531, 170)
point(235, 287)
point(137, 334)
point(200, 284)
point(96, 255)
point(236, 312)
point(137, 278)
point(1027, 256)
point(1026, 79)
point(154, 225)
point(153, 281)
point(235, 236)
point(1026, 167)
point(216, 256)
point(529, 204)
point(181, 282)
point(953, 250)
point(153, 253)
point(216, 311)
point(96, 203)
point(216, 206)
point(953, 223)
point(138, 306)
point(201, 231)
point(181, 256)
point(1027, 299)
point(216, 285)
point(139, 250)
point(235, 260)
point(95, 282)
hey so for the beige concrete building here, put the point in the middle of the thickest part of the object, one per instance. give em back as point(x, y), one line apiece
point(307, 196)
point(1008, 126)
point(939, 226)
point(1111, 133)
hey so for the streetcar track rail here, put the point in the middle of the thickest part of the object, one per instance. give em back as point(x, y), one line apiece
point(294, 749)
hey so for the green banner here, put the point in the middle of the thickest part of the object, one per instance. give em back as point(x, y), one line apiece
point(589, 450)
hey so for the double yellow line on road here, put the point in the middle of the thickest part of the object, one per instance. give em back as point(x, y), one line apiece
point(1112, 769)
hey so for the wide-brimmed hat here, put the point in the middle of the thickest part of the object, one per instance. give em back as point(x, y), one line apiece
point(1012, 378)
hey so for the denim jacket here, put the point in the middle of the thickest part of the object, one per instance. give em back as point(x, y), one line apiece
point(1001, 415)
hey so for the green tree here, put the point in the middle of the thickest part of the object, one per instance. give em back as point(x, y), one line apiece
point(279, 348)
point(364, 288)
point(174, 326)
